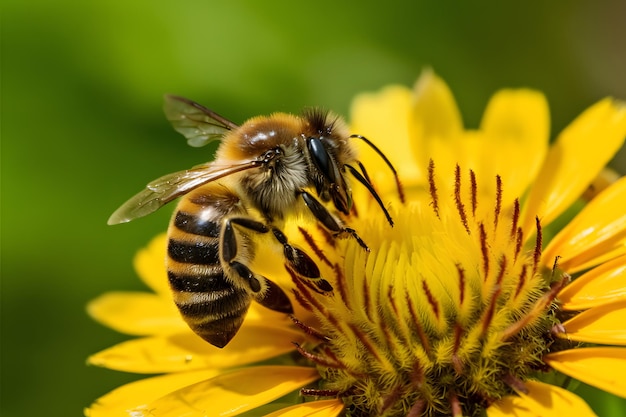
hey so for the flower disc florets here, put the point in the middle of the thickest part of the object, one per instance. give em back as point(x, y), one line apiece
point(447, 313)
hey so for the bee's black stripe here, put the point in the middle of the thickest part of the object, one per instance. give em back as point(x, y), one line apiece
point(195, 225)
point(198, 253)
point(225, 322)
point(219, 332)
point(199, 283)
point(224, 303)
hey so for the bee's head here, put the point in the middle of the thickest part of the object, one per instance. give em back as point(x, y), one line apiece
point(328, 150)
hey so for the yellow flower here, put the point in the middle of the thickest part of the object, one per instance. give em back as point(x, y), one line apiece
point(461, 308)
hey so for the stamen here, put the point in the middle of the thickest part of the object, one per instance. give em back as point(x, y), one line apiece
point(386, 332)
point(434, 198)
point(434, 305)
point(498, 207)
point(417, 375)
point(455, 404)
point(392, 301)
point(461, 273)
point(484, 251)
point(474, 192)
point(417, 409)
point(538, 243)
point(457, 364)
point(488, 316)
point(309, 240)
point(516, 214)
point(420, 330)
point(460, 207)
point(314, 392)
point(300, 299)
point(502, 270)
point(391, 398)
point(330, 240)
point(309, 330)
point(332, 356)
point(521, 280)
point(406, 336)
point(322, 361)
point(367, 301)
point(341, 286)
point(537, 309)
point(519, 242)
point(320, 286)
point(555, 265)
point(307, 297)
point(367, 343)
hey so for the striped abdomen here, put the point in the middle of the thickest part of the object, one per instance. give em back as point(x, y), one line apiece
point(212, 304)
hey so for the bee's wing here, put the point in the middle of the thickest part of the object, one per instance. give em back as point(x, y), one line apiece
point(165, 189)
point(194, 121)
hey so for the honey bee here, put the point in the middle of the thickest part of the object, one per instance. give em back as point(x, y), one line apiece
point(266, 170)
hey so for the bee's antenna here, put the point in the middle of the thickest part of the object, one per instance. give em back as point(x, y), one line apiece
point(371, 189)
point(389, 164)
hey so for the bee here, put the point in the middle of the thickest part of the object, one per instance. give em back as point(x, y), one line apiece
point(266, 170)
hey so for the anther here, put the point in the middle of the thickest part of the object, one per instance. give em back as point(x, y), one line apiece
point(317, 359)
point(515, 220)
point(432, 186)
point(460, 207)
point(538, 243)
point(498, 207)
point(308, 329)
point(484, 251)
point(474, 189)
point(461, 273)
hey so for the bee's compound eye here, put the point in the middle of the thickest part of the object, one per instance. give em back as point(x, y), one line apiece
point(320, 157)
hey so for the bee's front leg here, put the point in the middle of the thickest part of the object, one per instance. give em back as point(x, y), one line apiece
point(329, 221)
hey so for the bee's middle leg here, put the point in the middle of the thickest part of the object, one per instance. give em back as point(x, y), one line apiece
point(301, 263)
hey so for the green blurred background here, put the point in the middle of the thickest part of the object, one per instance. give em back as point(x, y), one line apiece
point(82, 127)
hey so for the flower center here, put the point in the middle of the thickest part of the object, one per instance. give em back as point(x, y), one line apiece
point(446, 314)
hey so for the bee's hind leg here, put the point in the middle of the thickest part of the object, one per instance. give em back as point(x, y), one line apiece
point(265, 292)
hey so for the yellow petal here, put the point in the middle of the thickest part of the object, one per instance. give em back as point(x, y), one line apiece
point(602, 367)
point(578, 155)
point(135, 396)
point(605, 178)
point(598, 286)
point(136, 313)
point(326, 408)
point(543, 400)
point(601, 324)
point(233, 393)
point(599, 228)
point(150, 265)
point(516, 122)
point(383, 118)
point(434, 116)
point(186, 351)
